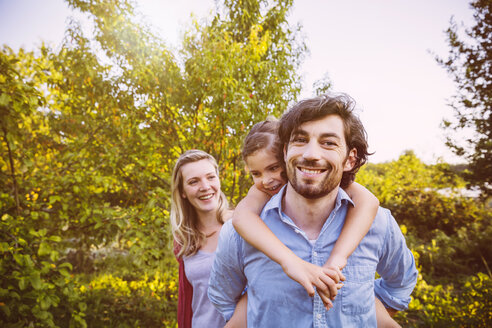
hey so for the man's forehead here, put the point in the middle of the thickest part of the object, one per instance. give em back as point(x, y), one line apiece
point(328, 125)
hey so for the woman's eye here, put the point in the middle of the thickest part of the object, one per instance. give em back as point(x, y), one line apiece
point(275, 168)
point(192, 182)
point(255, 174)
point(212, 177)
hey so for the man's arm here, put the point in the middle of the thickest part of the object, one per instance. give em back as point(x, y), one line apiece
point(227, 279)
point(396, 268)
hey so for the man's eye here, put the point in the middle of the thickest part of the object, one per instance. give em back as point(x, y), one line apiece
point(274, 168)
point(299, 139)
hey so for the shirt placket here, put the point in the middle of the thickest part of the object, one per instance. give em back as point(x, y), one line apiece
point(319, 318)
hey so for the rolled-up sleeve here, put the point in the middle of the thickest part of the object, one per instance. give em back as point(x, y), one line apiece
point(227, 279)
point(396, 268)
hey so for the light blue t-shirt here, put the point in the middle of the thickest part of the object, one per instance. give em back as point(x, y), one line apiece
point(274, 300)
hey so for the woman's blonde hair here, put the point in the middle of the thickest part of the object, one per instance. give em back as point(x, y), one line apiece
point(184, 219)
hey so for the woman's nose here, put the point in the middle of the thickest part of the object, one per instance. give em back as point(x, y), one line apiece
point(204, 185)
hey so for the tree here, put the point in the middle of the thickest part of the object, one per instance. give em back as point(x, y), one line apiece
point(470, 64)
point(90, 132)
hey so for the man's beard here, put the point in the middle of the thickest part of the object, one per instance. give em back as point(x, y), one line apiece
point(312, 189)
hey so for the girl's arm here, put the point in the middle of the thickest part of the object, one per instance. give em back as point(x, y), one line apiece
point(357, 223)
point(251, 227)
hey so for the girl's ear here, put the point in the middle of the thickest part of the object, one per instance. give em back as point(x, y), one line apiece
point(351, 160)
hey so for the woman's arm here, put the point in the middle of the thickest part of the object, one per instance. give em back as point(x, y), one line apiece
point(357, 223)
point(383, 316)
point(239, 318)
point(251, 227)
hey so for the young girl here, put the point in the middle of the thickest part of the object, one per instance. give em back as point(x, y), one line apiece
point(263, 157)
point(198, 210)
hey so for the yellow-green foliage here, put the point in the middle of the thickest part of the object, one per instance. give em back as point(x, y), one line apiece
point(113, 301)
point(450, 237)
point(467, 304)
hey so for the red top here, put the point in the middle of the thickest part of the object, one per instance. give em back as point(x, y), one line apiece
point(185, 294)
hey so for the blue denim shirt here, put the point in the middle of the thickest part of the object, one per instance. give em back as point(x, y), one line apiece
point(274, 300)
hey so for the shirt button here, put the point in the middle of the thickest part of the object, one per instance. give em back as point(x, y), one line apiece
point(315, 253)
point(318, 316)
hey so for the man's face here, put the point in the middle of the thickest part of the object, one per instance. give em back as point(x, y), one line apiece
point(316, 157)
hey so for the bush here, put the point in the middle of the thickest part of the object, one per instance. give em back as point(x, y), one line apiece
point(470, 305)
point(111, 301)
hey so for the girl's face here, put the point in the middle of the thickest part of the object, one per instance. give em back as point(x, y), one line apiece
point(201, 185)
point(266, 171)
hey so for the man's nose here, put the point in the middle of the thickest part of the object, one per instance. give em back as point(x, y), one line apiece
point(312, 151)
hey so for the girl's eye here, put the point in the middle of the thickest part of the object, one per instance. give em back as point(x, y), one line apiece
point(192, 182)
point(255, 174)
point(212, 177)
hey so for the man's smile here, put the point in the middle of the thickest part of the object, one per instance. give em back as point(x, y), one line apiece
point(310, 171)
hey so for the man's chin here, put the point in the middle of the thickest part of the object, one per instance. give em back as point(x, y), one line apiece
point(311, 192)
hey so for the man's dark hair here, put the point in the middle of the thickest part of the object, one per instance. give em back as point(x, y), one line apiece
point(319, 107)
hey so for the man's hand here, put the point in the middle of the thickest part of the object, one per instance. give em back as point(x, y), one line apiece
point(326, 280)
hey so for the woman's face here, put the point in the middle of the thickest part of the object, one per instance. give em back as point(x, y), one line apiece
point(266, 171)
point(201, 185)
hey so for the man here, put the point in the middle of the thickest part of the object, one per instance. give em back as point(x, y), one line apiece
point(324, 145)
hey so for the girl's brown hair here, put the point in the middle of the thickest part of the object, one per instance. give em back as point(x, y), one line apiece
point(263, 135)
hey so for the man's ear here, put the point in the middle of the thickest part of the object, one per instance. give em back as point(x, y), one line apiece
point(285, 154)
point(351, 160)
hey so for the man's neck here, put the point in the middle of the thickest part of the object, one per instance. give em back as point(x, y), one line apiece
point(308, 214)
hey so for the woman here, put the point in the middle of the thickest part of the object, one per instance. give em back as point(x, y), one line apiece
point(198, 210)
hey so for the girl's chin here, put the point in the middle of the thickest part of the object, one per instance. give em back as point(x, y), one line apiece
point(272, 192)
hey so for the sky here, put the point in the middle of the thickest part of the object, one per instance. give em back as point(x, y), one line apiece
point(380, 52)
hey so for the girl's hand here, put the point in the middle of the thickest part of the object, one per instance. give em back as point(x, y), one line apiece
point(337, 263)
point(308, 275)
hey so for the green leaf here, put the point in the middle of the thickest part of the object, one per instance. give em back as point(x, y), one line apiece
point(4, 99)
point(44, 303)
point(55, 238)
point(64, 272)
point(44, 249)
point(36, 281)
point(22, 283)
point(82, 306)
